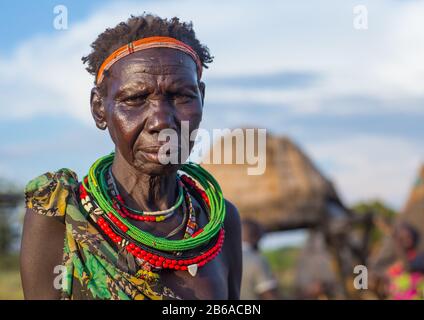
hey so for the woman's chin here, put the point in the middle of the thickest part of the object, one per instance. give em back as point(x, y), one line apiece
point(151, 164)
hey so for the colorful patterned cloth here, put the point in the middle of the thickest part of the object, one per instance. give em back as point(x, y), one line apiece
point(405, 285)
point(94, 269)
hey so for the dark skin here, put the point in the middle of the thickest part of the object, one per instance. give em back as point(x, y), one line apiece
point(146, 92)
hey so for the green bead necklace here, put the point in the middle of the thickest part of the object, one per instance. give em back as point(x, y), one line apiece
point(97, 187)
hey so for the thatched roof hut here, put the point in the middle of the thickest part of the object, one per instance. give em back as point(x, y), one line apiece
point(290, 194)
point(414, 206)
point(413, 212)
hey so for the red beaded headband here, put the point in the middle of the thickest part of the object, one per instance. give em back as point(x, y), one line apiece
point(147, 43)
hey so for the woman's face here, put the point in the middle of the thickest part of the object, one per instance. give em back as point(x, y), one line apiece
point(404, 238)
point(149, 91)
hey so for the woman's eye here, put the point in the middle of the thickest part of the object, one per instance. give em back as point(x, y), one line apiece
point(183, 97)
point(137, 99)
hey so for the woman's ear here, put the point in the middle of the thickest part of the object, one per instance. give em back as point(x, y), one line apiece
point(97, 109)
point(202, 87)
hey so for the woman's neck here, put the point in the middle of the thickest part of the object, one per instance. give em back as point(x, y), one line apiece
point(142, 191)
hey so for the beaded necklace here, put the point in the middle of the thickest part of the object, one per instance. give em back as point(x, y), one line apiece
point(191, 224)
point(96, 186)
point(151, 251)
point(142, 215)
point(146, 257)
point(120, 206)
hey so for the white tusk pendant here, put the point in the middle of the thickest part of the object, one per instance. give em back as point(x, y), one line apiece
point(192, 269)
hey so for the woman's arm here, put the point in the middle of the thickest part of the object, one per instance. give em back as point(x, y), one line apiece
point(233, 250)
point(41, 251)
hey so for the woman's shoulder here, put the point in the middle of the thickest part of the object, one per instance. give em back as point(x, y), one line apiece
point(48, 194)
point(232, 218)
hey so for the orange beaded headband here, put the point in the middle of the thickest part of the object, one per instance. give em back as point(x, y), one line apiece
point(147, 43)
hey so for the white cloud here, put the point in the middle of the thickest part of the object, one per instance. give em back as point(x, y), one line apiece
point(365, 167)
point(318, 100)
point(402, 64)
point(383, 63)
point(45, 74)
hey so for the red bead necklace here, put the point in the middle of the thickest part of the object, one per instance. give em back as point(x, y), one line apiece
point(151, 260)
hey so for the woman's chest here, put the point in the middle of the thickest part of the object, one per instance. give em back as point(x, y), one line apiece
point(209, 283)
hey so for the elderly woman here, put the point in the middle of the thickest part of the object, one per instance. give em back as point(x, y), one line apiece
point(135, 227)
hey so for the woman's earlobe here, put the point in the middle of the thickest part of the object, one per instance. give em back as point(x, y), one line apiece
point(97, 109)
point(102, 125)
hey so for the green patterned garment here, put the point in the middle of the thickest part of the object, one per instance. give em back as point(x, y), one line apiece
point(94, 269)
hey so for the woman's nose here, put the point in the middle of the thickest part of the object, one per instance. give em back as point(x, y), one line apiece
point(161, 117)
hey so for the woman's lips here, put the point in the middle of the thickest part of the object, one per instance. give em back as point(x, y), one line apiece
point(151, 149)
point(151, 156)
point(156, 153)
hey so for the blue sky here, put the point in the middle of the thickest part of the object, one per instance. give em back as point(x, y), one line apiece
point(352, 99)
point(25, 18)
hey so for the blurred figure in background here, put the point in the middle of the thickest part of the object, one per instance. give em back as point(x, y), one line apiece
point(316, 290)
point(258, 282)
point(406, 275)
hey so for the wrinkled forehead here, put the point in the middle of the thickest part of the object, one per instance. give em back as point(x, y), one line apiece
point(154, 62)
